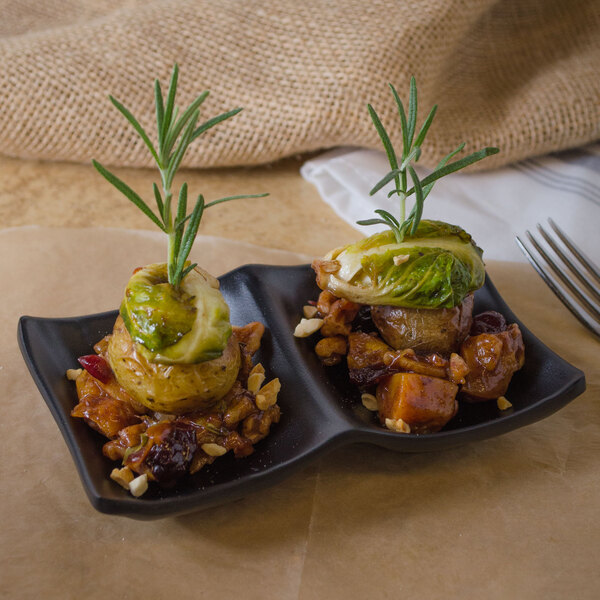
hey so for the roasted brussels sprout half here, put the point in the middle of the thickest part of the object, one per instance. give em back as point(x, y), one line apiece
point(434, 268)
point(184, 325)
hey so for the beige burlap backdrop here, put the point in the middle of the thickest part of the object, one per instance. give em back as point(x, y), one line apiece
point(520, 74)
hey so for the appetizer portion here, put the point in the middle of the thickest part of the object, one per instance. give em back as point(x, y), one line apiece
point(398, 306)
point(174, 386)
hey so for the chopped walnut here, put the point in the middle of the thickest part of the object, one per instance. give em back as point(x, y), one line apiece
point(73, 374)
point(122, 476)
point(255, 378)
point(331, 349)
point(267, 395)
point(457, 368)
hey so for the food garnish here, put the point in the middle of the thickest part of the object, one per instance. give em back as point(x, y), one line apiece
point(398, 305)
point(411, 152)
point(173, 387)
point(174, 135)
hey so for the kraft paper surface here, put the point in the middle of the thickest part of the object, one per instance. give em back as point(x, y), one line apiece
point(512, 517)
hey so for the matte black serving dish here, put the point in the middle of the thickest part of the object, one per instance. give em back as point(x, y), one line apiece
point(320, 409)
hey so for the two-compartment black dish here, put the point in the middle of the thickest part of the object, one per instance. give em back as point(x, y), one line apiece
point(321, 410)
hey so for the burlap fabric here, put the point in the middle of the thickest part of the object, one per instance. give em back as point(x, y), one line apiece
point(520, 74)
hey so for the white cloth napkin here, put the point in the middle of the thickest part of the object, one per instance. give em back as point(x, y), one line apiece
point(492, 206)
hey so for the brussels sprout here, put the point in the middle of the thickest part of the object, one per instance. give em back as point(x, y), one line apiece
point(434, 268)
point(184, 325)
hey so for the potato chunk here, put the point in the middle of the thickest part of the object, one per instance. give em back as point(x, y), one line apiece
point(171, 388)
point(425, 403)
point(425, 330)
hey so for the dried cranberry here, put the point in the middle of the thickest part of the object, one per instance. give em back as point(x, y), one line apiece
point(171, 457)
point(362, 321)
point(488, 322)
point(96, 366)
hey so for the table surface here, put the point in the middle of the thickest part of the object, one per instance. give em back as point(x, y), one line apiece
point(515, 516)
point(292, 217)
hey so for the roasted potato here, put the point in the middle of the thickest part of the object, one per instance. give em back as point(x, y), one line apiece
point(171, 388)
point(425, 330)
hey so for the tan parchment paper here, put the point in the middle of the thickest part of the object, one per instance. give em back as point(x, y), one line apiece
point(517, 516)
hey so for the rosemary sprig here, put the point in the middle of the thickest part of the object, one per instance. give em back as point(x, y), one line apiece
point(401, 167)
point(174, 135)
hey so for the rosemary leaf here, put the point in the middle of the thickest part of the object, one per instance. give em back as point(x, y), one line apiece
point(128, 192)
point(214, 121)
point(412, 111)
point(456, 166)
point(188, 239)
point(184, 142)
point(180, 224)
point(411, 153)
point(418, 209)
point(175, 132)
point(372, 222)
point(187, 270)
point(385, 180)
point(160, 113)
point(180, 218)
point(159, 202)
point(234, 198)
point(134, 122)
point(170, 102)
point(183, 120)
point(428, 188)
point(425, 128)
point(403, 123)
point(385, 139)
point(388, 217)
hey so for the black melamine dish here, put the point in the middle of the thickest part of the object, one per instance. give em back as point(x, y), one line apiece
point(321, 410)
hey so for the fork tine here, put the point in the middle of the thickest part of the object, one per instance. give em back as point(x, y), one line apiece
point(567, 261)
point(574, 290)
point(585, 261)
point(579, 314)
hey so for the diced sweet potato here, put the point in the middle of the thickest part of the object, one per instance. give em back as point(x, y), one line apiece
point(425, 403)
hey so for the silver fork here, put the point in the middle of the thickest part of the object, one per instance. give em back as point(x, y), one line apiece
point(583, 299)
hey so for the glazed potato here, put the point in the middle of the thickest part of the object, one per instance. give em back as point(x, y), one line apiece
point(492, 359)
point(171, 388)
point(425, 330)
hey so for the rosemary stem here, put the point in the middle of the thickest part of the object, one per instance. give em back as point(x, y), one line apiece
point(172, 258)
point(402, 207)
point(403, 197)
